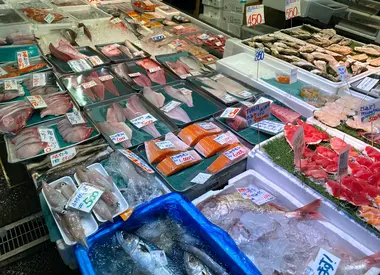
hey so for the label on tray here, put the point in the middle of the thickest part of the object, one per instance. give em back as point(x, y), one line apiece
point(370, 112)
point(143, 120)
point(170, 106)
point(159, 258)
point(10, 85)
point(298, 142)
point(211, 38)
point(268, 126)
point(184, 76)
point(3, 72)
point(201, 178)
point(138, 53)
point(257, 196)
point(324, 263)
point(23, 59)
point(166, 144)
point(182, 158)
point(39, 79)
point(230, 112)
point(84, 198)
point(105, 77)
point(111, 47)
point(49, 18)
point(47, 135)
point(95, 60)
point(245, 94)
point(367, 84)
point(263, 99)
point(247, 103)
point(227, 98)
point(259, 54)
point(203, 36)
point(79, 65)
point(37, 101)
point(158, 37)
point(292, 9)
point(343, 73)
point(75, 117)
point(206, 125)
point(195, 73)
point(218, 44)
point(258, 112)
point(223, 139)
point(63, 156)
point(185, 91)
point(343, 162)
point(134, 74)
point(88, 85)
point(118, 137)
point(218, 76)
point(137, 160)
point(255, 15)
point(293, 76)
point(156, 69)
point(115, 20)
point(235, 153)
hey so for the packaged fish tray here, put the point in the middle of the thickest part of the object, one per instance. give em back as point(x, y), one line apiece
point(96, 59)
point(128, 121)
point(48, 137)
point(9, 53)
point(205, 172)
point(182, 102)
point(336, 232)
point(169, 211)
point(122, 51)
point(183, 64)
point(94, 86)
point(88, 222)
point(11, 69)
point(142, 73)
point(10, 16)
point(223, 88)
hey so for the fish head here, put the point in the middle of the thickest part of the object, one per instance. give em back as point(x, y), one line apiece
point(129, 242)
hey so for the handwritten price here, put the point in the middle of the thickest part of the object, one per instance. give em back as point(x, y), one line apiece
point(291, 13)
point(254, 19)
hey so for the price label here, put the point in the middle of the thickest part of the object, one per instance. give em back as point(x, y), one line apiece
point(75, 117)
point(259, 54)
point(63, 156)
point(201, 178)
point(138, 53)
point(23, 59)
point(134, 74)
point(370, 112)
point(268, 126)
point(143, 120)
point(257, 196)
point(166, 144)
point(158, 37)
point(204, 36)
point(185, 91)
point(152, 70)
point(105, 77)
point(298, 142)
point(10, 85)
point(218, 76)
point(115, 20)
point(118, 137)
point(343, 162)
point(109, 48)
point(292, 9)
point(230, 112)
point(223, 139)
point(88, 85)
point(84, 198)
point(95, 60)
point(227, 98)
point(367, 84)
point(293, 76)
point(255, 15)
point(247, 104)
point(37, 101)
point(235, 153)
point(39, 79)
point(258, 112)
point(343, 73)
point(159, 258)
point(48, 135)
point(3, 72)
point(49, 18)
point(245, 94)
point(184, 76)
point(263, 99)
point(182, 158)
point(137, 160)
point(170, 106)
point(80, 65)
point(206, 125)
point(324, 263)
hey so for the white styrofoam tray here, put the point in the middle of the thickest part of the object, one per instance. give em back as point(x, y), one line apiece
point(123, 203)
point(88, 222)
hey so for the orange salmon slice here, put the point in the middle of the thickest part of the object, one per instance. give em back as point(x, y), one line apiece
point(231, 155)
point(173, 164)
point(213, 144)
point(193, 133)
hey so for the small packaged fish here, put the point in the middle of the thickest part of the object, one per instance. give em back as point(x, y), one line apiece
point(193, 133)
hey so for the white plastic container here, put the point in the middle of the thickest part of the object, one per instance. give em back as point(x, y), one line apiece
point(212, 12)
point(235, 5)
point(76, 12)
point(88, 222)
point(213, 3)
point(233, 18)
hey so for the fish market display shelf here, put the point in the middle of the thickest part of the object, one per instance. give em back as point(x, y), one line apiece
point(123, 57)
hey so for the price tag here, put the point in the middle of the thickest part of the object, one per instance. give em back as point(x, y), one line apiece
point(324, 263)
point(367, 84)
point(182, 158)
point(298, 142)
point(88, 85)
point(245, 94)
point(218, 44)
point(257, 196)
point(75, 117)
point(227, 98)
point(263, 99)
point(39, 79)
point(109, 48)
point(292, 9)
point(218, 76)
point(115, 20)
point(223, 139)
point(230, 112)
point(204, 36)
point(201, 178)
point(63, 156)
point(47, 135)
point(3, 72)
point(137, 160)
point(343, 162)
point(37, 101)
point(166, 144)
point(370, 112)
point(158, 37)
point(185, 91)
point(343, 73)
point(95, 60)
point(258, 112)
point(293, 76)
point(138, 53)
point(23, 59)
point(152, 70)
point(126, 214)
point(259, 54)
point(10, 85)
point(235, 153)
point(49, 18)
point(268, 126)
point(195, 73)
point(170, 106)
point(118, 137)
point(206, 125)
point(134, 74)
point(143, 120)
point(255, 15)
point(80, 65)
point(184, 76)
point(159, 258)
point(84, 198)
point(105, 77)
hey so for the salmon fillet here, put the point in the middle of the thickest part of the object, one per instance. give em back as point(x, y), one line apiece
point(173, 164)
point(193, 133)
point(213, 144)
point(231, 155)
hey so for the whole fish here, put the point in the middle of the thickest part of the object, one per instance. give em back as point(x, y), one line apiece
point(133, 49)
point(56, 200)
point(62, 222)
point(194, 266)
point(103, 210)
point(95, 178)
point(74, 225)
point(361, 266)
point(194, 63)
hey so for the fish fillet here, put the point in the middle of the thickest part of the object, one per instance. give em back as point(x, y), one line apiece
point(115, 113)
point(327, 118)
point(142, 80)
point(157, 76)
point(355, 123)
point(193, 133)
point(64, 50)
point(110, 86)
point(186, 98)
point(111, 128)
point(99, 88)
point(14, 117)
point(179, 68)
point(30, 149)
point(173, 164)
point(179, 114)
point(157, 99)
point(237, 123)
point(57, 105)
point(213, 144)
point(284, 114)
point(233, 153)
point(231, 86)
point(10, 94)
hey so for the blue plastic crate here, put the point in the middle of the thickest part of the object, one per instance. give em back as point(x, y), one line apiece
point(177, 208)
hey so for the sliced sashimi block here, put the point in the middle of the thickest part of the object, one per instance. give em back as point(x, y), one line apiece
point(193, 133)
point(213, 144)
point(337, 144)
point(110, 86)
point(372, 153)
point(233, 153)
point(284, 114)
point(173, 164)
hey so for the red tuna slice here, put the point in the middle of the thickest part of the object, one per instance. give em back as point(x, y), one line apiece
point(372, 191)
point(99, 88)
point(316, 174)
point(337, 190)
point(321, 160)
point(284, 114)
point(327, 153)
point(312, 131)
point(357, 199)
point(364, 161)
point(307, 153)
point(332, 168)
point(110, 86)
point(375, 167)
point(237, 123)
point(363, 174)
point(304, 163)
point(372, 153)
point(374, 180)
point(289, 131)
point(337, 144)
point(354, 165)
point(352, 184)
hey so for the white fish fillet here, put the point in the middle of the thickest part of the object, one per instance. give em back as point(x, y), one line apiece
point(177, 94)
point(355, 123)
point(157, 99)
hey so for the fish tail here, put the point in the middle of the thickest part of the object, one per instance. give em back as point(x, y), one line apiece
point(309, 211)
